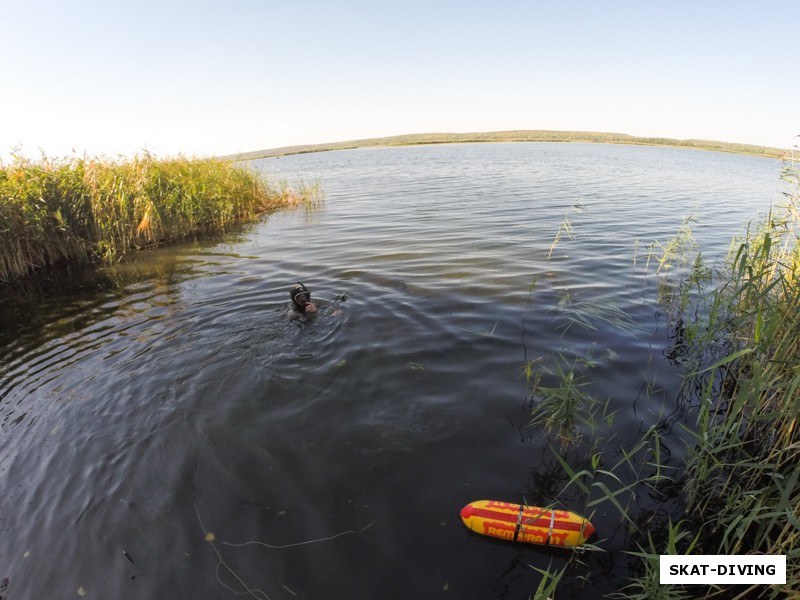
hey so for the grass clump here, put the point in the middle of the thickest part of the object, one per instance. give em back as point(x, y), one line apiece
point(564, 407)
point(76, 209)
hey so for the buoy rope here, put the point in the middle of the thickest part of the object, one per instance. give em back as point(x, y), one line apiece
point(519, 523)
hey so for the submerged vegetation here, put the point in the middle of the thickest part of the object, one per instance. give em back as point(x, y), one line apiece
point(52, 211)
point(736, 488)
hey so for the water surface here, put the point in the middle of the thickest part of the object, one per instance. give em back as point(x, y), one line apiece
point(146, 407)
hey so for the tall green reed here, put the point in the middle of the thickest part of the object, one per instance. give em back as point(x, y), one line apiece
point(53, 211)
point(735, 330)
point(741, 335)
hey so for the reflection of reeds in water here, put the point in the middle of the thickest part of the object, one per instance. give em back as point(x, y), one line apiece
point(53, 211)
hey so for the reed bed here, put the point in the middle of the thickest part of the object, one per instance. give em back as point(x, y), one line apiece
point(743, 474)
point(736, 331)
point(78, 209)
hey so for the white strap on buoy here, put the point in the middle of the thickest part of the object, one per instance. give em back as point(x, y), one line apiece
point(518, 528)
point(552, 524)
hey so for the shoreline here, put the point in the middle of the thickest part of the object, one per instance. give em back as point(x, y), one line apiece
point(586, 137)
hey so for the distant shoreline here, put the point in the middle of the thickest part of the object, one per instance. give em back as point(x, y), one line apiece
point(514, 136)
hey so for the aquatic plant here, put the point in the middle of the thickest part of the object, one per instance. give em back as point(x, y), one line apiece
point(564, 228)
point(648, 585)
point(589, 312)
point(548, 584)
point(734, 330)
point(52, 211)
point(737, 328)
point(563, 407)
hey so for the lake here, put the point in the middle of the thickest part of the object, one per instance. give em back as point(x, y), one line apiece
point(167, 431)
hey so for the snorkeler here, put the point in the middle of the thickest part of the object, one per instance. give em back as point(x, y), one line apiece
point(303, 308)
point(301, 301)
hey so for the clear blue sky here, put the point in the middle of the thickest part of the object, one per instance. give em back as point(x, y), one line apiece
point(209, 78)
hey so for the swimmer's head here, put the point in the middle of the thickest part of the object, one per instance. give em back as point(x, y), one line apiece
point(300, 296)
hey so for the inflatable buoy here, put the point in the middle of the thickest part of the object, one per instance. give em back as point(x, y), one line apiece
point(519, 523)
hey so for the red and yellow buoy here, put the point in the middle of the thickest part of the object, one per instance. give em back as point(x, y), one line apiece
point(519, 523)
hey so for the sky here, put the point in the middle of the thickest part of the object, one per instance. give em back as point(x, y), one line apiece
point(201, 78)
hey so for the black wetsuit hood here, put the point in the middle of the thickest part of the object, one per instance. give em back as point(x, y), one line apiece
point(296, 291)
